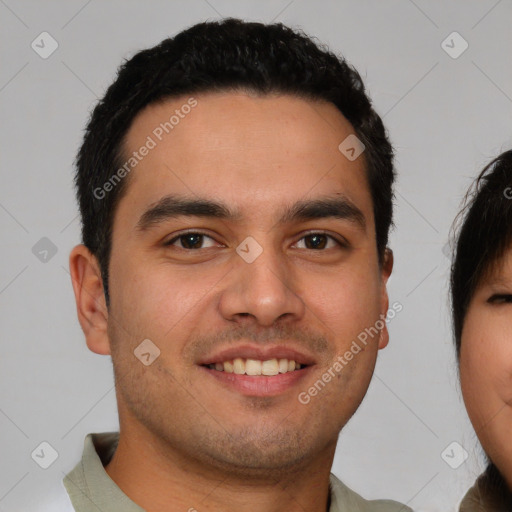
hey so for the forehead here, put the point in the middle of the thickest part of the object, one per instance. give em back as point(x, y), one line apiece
point(499, 271)
point(254, 152)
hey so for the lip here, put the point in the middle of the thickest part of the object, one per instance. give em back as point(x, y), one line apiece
point(259, 385)
point(257, 352)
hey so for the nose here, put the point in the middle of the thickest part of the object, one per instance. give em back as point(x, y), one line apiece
point(264, 291)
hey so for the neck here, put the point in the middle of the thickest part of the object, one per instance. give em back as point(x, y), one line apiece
point(159, 478)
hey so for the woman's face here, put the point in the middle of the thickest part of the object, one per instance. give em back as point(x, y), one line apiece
point(486, 365)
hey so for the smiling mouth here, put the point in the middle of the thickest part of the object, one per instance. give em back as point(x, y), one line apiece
point(255, 367)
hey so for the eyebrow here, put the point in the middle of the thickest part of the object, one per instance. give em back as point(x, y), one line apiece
point(173, 206)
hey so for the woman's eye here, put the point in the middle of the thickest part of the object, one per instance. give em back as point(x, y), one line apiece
point(191, 241)
point(317, 241)
point(500, 299)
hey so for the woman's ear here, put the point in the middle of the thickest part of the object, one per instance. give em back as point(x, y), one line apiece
point(90, 298)
point(386, 269)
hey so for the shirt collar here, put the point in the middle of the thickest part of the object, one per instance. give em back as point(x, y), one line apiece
point(89, 486)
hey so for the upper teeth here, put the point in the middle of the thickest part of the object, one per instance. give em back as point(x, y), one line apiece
point(256, 367)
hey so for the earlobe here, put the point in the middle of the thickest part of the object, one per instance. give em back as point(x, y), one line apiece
point(90, 298)
point(383, 336)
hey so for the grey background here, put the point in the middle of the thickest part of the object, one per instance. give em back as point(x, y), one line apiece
point(446, 117)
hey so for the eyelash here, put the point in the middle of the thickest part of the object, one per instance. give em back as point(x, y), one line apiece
point(311, 233)
point(500, 298)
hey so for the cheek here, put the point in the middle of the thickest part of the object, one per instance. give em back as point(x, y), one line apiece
point(475, 377)
point(162, 298)
point(347, 302)
point(485, 367)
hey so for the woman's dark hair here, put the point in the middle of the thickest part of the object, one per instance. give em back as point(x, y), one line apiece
point(223, 56)
point(484, 235)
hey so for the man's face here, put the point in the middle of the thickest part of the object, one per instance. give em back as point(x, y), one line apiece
point(202, 292)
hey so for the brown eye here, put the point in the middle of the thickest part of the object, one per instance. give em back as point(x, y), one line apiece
point(500, 299)
point(191, 240)
point(318, 241)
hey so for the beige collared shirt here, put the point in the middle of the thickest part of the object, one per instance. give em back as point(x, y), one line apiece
point(90, 489)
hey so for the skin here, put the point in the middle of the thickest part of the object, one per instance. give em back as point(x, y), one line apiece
point(486, 364)
point(186, 440)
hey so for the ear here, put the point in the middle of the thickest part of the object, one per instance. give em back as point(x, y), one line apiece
point(90, 298)
point(386, 269)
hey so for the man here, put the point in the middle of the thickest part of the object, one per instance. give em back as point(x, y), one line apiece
point(235, 188)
